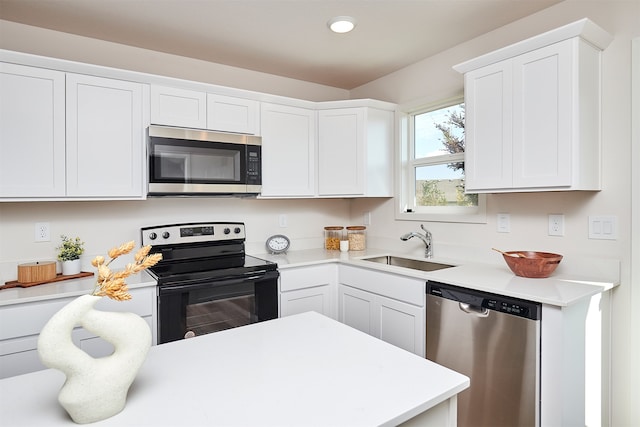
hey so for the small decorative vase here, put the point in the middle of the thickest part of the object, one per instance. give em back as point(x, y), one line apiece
point(69, 268)
point(95, 389)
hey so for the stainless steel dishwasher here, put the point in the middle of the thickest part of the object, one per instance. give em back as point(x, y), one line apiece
point(495, 341)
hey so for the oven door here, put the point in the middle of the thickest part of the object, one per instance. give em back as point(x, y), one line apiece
point(191, 309)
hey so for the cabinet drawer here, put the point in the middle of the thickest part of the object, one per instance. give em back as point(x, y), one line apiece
point(19, 357)
point(28, 319)
point(306, 277)
point(389, 285)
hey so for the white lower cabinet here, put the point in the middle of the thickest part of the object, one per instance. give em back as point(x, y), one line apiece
point(312, 299)
point(383, 305)
point(20, 326)
point(308, 289)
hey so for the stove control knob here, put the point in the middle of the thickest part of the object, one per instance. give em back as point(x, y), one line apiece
point(227, 231)
point(237, 230)
point(166, 235)
point(153, 236)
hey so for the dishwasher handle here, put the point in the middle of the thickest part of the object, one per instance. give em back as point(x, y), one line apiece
point(474, 309)
point(480, 303)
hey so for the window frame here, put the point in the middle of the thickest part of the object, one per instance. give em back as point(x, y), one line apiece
point(406, 165)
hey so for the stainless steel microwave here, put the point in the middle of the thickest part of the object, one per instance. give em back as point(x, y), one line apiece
point(194, 162)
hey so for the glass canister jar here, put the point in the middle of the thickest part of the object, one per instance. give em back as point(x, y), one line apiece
point(332, 237)
point(357, 237)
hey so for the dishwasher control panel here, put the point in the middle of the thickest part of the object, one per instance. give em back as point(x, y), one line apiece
point(485, 300)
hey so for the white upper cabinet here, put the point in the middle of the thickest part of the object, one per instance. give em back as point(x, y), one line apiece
point(178, 107)
point(341, 156)
point(533, 113)
point(172, 106)
point(288, 151)
point(70, 136)
point(32, 132)
point(355, 152)
point(105, 138)
point(73, 131)
point(231, 114)
point(331, 149)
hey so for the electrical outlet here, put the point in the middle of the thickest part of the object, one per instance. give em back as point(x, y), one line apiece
point(42, 232)
point(556, 225)
point(283, 220)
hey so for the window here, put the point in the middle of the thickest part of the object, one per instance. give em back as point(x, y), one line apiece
point(432, 169)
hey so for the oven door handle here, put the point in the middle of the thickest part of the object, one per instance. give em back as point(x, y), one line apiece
point(252, 276)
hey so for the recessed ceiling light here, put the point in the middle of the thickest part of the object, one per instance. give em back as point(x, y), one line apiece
point(341, 24)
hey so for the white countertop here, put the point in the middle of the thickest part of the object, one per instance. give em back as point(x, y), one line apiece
point(560, 289)
point(65, 289)
point(302, 370)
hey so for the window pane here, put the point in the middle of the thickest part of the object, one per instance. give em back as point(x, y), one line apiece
point(442, 185)
point(439, 132)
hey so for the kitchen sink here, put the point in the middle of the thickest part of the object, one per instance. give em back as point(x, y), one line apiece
point(415, 264)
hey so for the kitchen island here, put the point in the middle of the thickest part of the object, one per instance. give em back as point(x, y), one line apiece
point(302, 370)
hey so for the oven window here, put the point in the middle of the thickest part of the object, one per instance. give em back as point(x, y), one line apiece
point(214, 316)
point(202, 308)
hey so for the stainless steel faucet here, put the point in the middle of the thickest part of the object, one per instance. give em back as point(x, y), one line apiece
point(427, 239)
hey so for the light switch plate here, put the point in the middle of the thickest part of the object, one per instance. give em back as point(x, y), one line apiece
point(603, 227)
point(503, 223)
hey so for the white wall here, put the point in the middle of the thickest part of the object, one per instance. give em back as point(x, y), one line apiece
point(433, 79)
point(103, 225)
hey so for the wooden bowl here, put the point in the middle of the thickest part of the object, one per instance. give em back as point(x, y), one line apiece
point(536, 265)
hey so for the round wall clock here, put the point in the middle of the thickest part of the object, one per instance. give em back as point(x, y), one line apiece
point(278, 244)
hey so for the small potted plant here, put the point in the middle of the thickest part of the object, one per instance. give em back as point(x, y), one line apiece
point(69, 255)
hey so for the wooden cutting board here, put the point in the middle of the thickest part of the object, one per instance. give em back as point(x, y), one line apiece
point(58, 278)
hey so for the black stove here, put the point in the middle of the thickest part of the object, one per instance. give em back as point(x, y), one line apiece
point(206, 282)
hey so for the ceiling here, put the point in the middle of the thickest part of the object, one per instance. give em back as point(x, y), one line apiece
point(283, 37)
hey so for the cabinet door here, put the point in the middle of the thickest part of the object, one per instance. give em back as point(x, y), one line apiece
point(229, 114)
point(288, 150)
point(19, 356)
point(316, 299)
point(308, 288)
point(488, 124)
point(178, 107)
point(542, 120)
point(357, 309)
point(105, 137)
point(402, 325)
point(32, 132)
point(341, 155)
